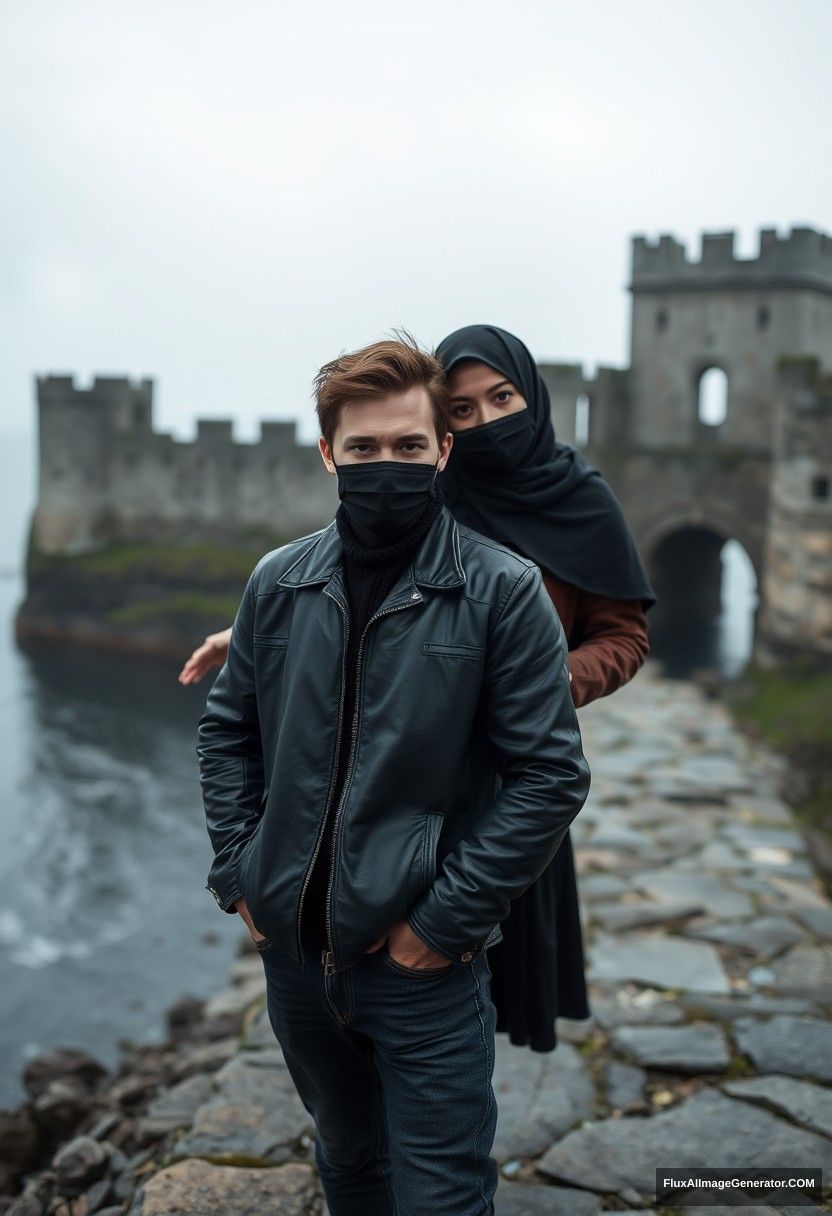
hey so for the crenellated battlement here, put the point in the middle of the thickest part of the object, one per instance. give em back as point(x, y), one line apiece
point(119, 406)
point(800, 259)
point(104, 390)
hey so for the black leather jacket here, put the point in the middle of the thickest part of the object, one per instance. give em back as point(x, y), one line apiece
point(466, 763)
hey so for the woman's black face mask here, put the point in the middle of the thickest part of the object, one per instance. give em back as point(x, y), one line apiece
point(496, 445)
point(384, 498)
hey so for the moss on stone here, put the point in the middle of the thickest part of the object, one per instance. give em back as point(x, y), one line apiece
point(790, 706)
point(219, 608)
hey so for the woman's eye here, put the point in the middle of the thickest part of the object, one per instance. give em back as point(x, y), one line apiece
point(503, 396)
point(461, 411)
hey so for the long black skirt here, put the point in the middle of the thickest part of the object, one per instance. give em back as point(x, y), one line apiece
point(538, 968)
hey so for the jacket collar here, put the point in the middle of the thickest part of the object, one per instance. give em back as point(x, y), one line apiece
point(436, 563)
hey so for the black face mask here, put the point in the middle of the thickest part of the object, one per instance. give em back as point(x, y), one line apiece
point(383, 499)
point(496, 445)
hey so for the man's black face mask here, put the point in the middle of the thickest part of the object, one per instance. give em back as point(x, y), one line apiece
point(385, 497)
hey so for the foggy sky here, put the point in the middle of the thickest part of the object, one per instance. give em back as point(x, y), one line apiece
point(223, 196)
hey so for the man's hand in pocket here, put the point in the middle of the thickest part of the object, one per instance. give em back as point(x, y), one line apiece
point(242, 908)
point(405, 947)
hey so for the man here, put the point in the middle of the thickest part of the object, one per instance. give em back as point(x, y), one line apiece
point(388, 757)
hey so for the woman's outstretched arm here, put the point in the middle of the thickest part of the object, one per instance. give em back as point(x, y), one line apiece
point(212, 653)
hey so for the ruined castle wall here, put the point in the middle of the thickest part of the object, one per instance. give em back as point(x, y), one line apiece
point(106, 476)
point(797, 614)
point(607, 395)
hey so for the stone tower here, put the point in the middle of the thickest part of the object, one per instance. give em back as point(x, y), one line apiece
point(77, 431)
point(689, 479)
point(737, 315)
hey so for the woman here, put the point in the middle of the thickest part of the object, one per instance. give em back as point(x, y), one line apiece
point(509, 478)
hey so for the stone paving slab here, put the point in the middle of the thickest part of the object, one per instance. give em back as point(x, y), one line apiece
point(177, 1106)
point(700, 1047)
point(756, 1005)
point(806, 969)
point(539, 1097)
point(624, 1084)
point(255, 1114)
point(712, 891)
point(618, 917)
point(817, 920)
point(766, 936)
point(520, 1199)
point(797, 1046)
point(656, 959)
point(647, 1007)
point(619, 1156)
point(807, 1104)
point(749, 836)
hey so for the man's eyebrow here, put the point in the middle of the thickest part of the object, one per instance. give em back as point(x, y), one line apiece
point(491, 388)
point(374, 438)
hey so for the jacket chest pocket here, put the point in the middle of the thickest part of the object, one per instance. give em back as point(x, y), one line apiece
point(271, 641)
point(453, 650)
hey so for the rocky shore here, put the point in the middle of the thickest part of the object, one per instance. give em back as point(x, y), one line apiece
point(709, 944)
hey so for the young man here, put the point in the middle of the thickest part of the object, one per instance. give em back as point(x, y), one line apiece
point(388, 757)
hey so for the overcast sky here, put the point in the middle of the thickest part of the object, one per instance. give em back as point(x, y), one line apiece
point(223, 196)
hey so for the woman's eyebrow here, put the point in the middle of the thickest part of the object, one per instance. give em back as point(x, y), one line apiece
point(491, 388)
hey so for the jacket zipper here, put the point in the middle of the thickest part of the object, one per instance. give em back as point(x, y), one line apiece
point(334, 771)
point(329, 954)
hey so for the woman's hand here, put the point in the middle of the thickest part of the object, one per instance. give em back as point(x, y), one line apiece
point(212, 653)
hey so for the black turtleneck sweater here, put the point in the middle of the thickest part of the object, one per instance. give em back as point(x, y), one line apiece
point(370, 573)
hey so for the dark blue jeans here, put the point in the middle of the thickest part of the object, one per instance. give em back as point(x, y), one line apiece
point(395, 1067)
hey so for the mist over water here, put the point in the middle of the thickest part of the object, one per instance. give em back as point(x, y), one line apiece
point(104, 916)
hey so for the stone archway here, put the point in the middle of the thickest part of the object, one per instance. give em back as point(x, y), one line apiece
point(695, 619)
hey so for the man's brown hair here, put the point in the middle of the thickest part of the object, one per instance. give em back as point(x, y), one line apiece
point(390, 366)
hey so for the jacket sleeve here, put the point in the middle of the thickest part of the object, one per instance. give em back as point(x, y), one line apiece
point(613, 644)
point(532, 726)
point(231, 756)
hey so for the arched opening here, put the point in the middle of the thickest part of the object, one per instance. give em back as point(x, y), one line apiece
point(712, 401)
point(707, 590)
point(582, 420)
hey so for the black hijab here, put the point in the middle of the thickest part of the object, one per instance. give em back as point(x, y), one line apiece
point(552, 506)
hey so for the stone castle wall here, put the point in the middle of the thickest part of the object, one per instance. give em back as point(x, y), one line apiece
point(797, 615)
point(107, 476)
